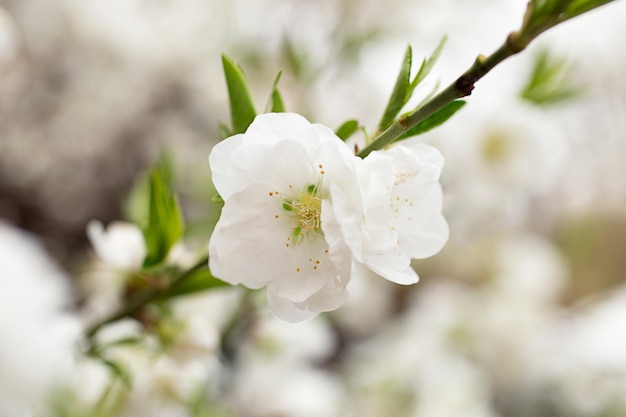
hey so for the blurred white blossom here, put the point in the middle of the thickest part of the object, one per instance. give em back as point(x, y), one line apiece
point(167, 370)
point(278, 371)
point(499, 164)
point(121, 246)
point(416, 365)
point(281, 389)
point(9, 39)
point(120, 251)
point(588, 367)
point(519, 311)
point(38, 335)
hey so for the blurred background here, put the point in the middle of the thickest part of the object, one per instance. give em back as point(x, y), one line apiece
point(522, 313)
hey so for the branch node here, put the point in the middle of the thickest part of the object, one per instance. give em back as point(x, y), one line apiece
point(465, 85)
point(515, 43)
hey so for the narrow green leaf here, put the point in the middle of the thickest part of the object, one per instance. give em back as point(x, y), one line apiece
point(242, 110)
point(224, 131)
point(278, 105)
point(137, 203)
point(400, 94)
point(275, 104)
point(427, 64)
point(347, 129)
point(165, 222)
point(196, 281)
point(435, 120)
point(297, 59)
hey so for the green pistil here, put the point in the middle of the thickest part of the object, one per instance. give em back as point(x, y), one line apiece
point(307, 209)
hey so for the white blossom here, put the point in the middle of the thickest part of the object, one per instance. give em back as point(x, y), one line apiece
point(397, 215)
point(9, 39)
point(277, 227)
point(37, 336)
point(278, 374)
point(300, 209)
point(588, 359)
point(120, 250)
point(121, 245)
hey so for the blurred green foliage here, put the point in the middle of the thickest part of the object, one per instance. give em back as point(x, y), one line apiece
point(549, 81)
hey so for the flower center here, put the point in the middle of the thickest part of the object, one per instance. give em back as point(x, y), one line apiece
point(307, 210)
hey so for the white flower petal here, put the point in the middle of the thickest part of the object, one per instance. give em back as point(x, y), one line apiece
point(270, 128)
point(427, 155)
point(287, 310)
point(288, 163)
point(383, 256)
point(306, 270)
point(329, 298)
point(422, 229)
point(339, 252)
point(220, 162)
point(248, 243)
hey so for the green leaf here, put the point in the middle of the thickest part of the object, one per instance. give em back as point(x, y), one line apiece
point(434, 120)
point(400, 94)
point(242, 110)
point(427, 64)
point(578, 7)
point(137, 203)
point(347, 129)
point(548, 83)
point(276, 103)
point(224, 131)
point(297, 60)
point(198, 280)
point(544, 14)
point(165, 222)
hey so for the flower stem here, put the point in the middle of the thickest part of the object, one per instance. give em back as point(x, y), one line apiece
point(139, 301)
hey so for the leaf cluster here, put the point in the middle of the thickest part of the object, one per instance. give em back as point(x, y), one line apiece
point(403, 90)
point(405, 86)
point(393, 126)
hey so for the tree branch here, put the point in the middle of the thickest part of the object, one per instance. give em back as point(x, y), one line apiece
point(534, 24)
